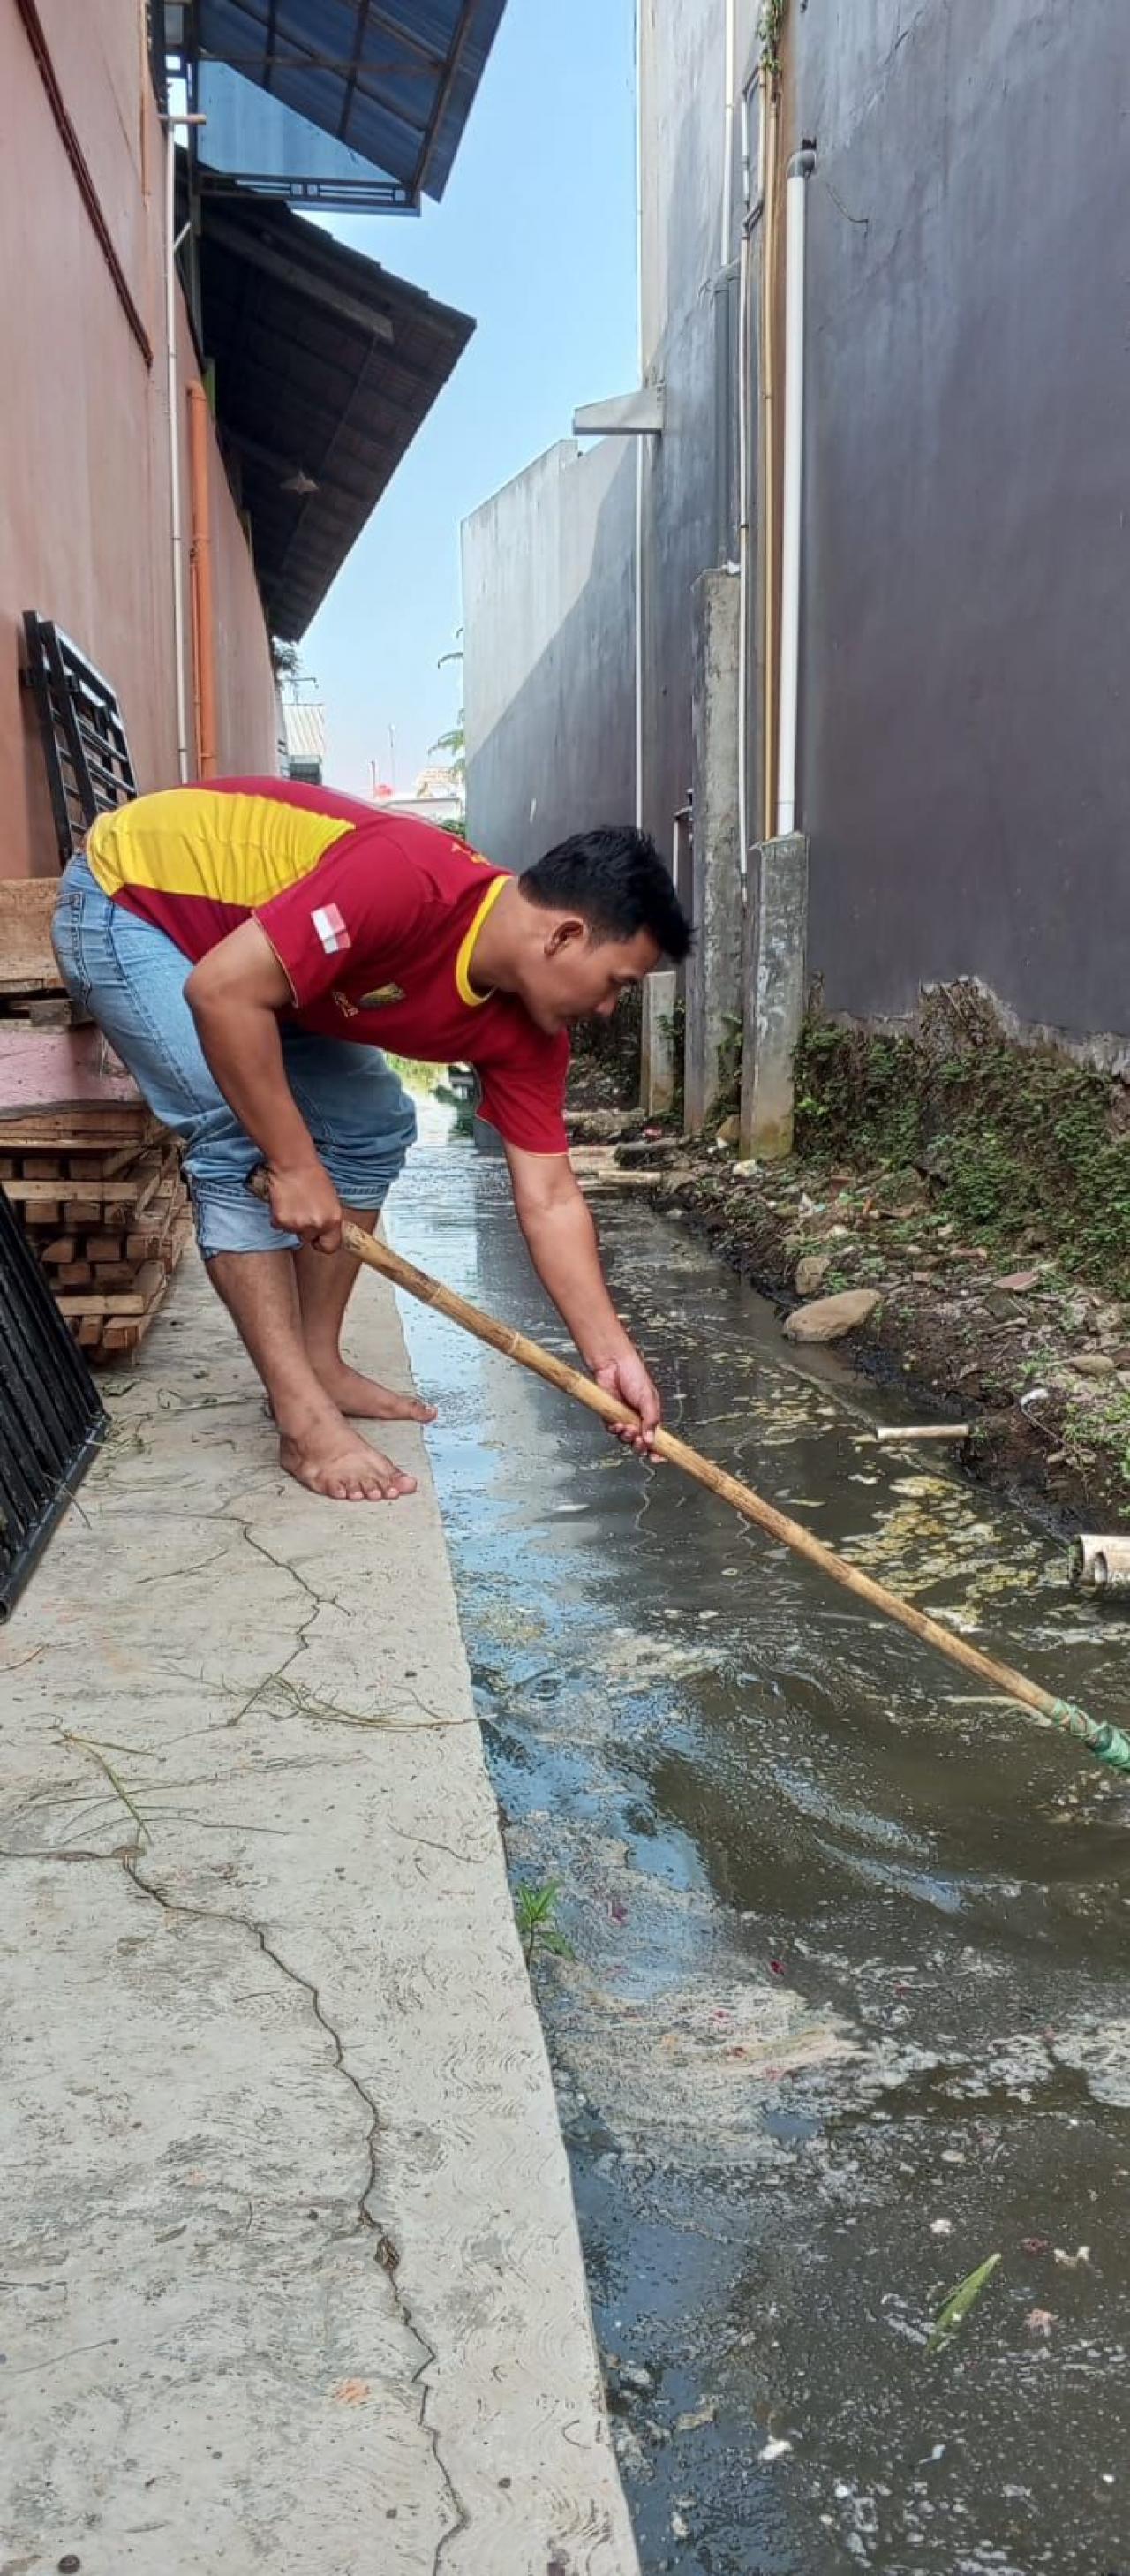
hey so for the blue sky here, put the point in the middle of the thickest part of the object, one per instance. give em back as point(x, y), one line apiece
point(536, 238)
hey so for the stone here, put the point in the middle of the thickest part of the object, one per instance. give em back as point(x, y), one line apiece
point(831, 1317)
point(1018, 1281)
point(811, 1274)
point(1093, 1364)
point(729, 1131)
point(746, 1171)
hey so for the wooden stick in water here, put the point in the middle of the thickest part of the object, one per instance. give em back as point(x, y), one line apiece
point(1106, 1741)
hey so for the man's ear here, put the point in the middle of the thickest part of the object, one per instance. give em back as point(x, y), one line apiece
point(565, 934)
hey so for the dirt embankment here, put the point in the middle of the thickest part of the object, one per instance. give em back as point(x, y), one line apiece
point(984, 1193)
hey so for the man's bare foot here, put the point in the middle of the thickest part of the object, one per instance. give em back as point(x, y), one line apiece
point(363, 1399)
point(329, 1459)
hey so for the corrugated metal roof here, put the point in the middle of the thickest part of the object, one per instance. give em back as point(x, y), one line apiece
point(394, 82)
point(325, 367)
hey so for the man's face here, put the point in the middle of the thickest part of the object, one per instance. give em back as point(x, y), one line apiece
point(570, 975)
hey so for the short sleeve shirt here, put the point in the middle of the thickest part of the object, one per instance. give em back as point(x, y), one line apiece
point(373, 917)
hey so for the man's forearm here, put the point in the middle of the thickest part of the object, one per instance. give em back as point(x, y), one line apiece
point(243, 1047)
point(563, 1248)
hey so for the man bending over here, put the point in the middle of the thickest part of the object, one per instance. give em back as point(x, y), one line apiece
point(249, 947)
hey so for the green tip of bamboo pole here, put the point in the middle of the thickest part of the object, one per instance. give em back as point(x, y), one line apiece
point(1106, 1742)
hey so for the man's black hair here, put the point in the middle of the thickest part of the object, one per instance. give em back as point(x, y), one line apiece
point(616, 880)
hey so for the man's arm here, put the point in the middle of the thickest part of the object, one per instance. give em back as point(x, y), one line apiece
point(562, 1244)
point(235, 994)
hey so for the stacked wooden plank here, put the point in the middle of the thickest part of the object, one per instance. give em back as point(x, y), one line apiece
point(32, 993)
point(96, 1181)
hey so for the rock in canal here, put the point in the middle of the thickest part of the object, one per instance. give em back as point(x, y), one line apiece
point(811, 1274)
point(831, 1317)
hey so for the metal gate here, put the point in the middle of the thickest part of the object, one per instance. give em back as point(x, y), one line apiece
point(89, 769)
point(51, 1418)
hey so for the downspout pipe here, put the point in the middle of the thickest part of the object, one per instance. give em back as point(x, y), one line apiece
point(173, 240)
point(203, 612)
point(750, 212)
point(799, 172)
point(640, 531)
point(728, 115)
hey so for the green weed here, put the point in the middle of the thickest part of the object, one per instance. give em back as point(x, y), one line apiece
point(535, 1909)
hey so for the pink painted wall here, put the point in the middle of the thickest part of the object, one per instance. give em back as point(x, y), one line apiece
point(84, 481)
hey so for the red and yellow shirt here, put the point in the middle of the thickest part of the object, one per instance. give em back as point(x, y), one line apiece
point(373, 916)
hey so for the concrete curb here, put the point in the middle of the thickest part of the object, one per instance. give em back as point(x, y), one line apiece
point(288, 2215)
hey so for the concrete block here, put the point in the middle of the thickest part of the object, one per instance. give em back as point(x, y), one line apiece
point(714, 970)
point(774, 992)
point(657, 1055)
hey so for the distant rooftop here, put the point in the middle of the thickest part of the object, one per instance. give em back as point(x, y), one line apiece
point(304, 724)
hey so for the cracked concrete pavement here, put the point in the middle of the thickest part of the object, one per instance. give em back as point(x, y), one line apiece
point(289, 2268)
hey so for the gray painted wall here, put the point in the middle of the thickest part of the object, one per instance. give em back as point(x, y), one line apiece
point(549, 688)
point(965, 686)
point(965, 766)
point(551, 706)
point(687, 311)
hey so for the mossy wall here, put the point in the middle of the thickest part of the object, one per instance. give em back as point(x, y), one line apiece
point(1024, 1146)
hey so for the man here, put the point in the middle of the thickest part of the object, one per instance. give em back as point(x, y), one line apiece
point(249, 946)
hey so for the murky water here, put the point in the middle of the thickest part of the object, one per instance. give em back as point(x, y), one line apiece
point(850, 2005)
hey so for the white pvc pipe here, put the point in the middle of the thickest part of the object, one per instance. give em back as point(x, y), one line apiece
point(728, 135)
point(753, 195)
point(640, 443)
point(743, 499)
point(796, 208)
point(743, 557)
point(173, 390)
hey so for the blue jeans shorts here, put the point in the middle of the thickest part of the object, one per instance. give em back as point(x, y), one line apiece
point(132, 979)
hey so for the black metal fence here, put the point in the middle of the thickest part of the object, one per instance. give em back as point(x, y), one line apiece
point(51, 1417)
point(89, 769)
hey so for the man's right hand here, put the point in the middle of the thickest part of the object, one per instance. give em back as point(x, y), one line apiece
point(305, 1202)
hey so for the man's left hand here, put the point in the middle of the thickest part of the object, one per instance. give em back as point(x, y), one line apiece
point(628, 1379)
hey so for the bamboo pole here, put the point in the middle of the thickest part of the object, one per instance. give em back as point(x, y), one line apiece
point(896, 1432)
point(1107, 1742)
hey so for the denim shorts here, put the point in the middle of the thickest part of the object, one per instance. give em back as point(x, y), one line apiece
point(132, 979)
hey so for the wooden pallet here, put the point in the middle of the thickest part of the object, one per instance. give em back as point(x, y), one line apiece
point(98, 1188)
point(27, 959)
point(32, 991)
point(128, 1190)
point(109, 1322)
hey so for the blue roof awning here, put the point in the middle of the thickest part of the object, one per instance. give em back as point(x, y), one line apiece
point(390, 80)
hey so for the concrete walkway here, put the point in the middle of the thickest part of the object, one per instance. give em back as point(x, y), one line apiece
point(290, 2275)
